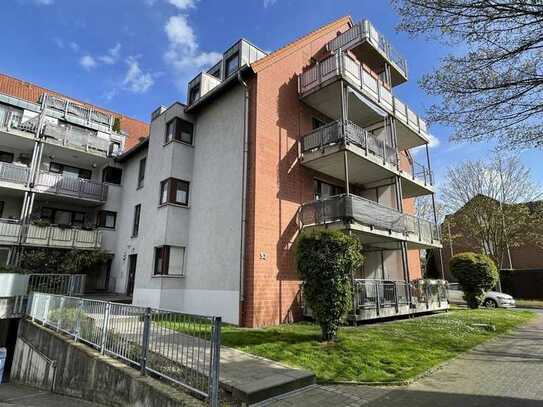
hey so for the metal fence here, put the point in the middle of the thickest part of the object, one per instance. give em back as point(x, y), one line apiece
point(181, 348)
point(63, 284)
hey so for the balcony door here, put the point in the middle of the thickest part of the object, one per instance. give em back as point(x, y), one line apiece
point(132, 263)
point(325, 190)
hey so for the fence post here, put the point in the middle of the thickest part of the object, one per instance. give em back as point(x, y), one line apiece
point(215, 363)
point(77, 332)
point(104, 328)
point(427, 296)
point(377, 299)
point(145, 340)
point(59, 322)
point(46, 316)
point(396, 297)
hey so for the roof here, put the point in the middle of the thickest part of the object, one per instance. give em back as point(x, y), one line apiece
point(142, 145)
point(135, 129)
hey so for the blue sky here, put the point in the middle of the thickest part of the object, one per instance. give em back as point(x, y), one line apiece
point(134, 55)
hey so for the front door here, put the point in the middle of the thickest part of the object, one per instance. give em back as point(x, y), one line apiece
point(132, 261)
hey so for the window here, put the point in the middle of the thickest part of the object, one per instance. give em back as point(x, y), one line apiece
point(194, 93)
point(107, 219)
point(141, 172)
point(114, 148)
point(2, 204)
point(136, 224)
point(174, 191)
point(63, 216)
point(317, 123)
point(169, 261)
point(232, 64)
point(6, 157)
point(324, 190)
point(69, 171)
point(112, 175)
point(180, 130)
point(216, 71)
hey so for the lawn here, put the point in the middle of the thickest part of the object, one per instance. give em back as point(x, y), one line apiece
point(386, 352)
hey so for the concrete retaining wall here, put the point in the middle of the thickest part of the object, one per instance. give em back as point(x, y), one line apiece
point(84, 373)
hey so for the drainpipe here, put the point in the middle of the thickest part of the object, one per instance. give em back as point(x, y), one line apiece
point(244, 188)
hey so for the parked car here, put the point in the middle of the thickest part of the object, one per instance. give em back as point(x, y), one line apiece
point(493, 299)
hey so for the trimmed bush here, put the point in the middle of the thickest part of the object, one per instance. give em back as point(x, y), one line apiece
point(476, 273)
point(325, 261)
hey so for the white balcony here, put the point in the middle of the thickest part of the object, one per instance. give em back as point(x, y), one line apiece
point(14, 174)
point(78, 139)
point(49, 236)
point(368, 100)
point(75, 187)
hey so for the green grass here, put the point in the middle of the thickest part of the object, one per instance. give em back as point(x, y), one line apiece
point(391, 352)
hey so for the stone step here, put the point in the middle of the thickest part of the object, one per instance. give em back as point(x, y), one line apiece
point(249, 379)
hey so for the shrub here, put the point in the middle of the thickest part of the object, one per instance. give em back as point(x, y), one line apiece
point(476, 273)
point(325, 262)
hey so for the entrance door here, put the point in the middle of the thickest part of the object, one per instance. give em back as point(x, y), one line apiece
point(132, 261)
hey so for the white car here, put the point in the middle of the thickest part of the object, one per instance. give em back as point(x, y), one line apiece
point(493, 299)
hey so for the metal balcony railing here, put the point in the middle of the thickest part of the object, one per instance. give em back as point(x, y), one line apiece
point(17, 174)
point(82, 112)
point(49, 236)
point(342, 65)
point(364, 30)
point(74, 137)
point(352, 208)
point(71, 186)
point(62, 284)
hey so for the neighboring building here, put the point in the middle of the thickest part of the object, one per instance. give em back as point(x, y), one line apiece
point(267, 145)
point(525, 257)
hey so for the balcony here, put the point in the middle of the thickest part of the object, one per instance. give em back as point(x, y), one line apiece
point(368, 101)
point(75, 187)
point(376, 299)
point(368, 43)
point(14, 174)
point(77, 138)
point(49, 236)
point(370, 158)
point(374, 223)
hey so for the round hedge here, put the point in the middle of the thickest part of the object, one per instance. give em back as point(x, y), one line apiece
point(476, 273)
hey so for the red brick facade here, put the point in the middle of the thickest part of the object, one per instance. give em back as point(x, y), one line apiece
point(277, 183)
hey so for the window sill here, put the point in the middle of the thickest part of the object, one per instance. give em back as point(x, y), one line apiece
point(174, 204)
point(178, 142)
point(167, 276)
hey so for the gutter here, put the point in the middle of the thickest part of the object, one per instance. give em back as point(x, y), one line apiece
point(244, 187)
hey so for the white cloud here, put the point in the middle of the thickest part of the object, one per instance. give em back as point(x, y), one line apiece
point(183, 4)
point(268, 3)
point(44, 2)
point(183, 54)
point(74, 46)
point(88, 62)
point(135, 80)
point(112, 55)
point(434, 141)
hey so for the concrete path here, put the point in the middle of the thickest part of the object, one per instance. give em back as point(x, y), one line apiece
point(17, 395)
point(504, 372)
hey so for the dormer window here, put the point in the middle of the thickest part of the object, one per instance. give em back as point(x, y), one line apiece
point(194, 93)
point(216, 71)
point(232, 64)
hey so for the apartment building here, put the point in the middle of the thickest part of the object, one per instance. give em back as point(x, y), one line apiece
point(269, 145)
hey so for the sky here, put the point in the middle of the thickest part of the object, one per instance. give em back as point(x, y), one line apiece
point(132, 56)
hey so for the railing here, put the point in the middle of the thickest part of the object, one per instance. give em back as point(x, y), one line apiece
point(65, 237)
point(72, 186)
point(341, 64)
point(9, 231)
point(70, 108)
point(14, 173)
point(349, 208)
point(182, 348)
point(335, 133)
point(378, 294)
point(82, 140)
point(416, 170)
point(364, 30)
point(63, 284)
point(14, 121)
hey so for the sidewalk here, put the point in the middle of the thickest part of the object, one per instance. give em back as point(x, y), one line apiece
point(17, 395)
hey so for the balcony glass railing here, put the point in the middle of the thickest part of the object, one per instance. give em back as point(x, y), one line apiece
point(71, 186)
point(75, 137)
point(342, 65)
point(347, 208)
point(365, 30)
point(17, 174)
point(333, 133)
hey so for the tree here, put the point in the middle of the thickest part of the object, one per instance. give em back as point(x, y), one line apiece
point(493, 87)
point(51, 261)
point(495, 207)
point(476, 274)
point(325, 262)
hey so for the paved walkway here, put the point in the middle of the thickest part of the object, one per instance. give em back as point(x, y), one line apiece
point(504, 372)
point(17, 395)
